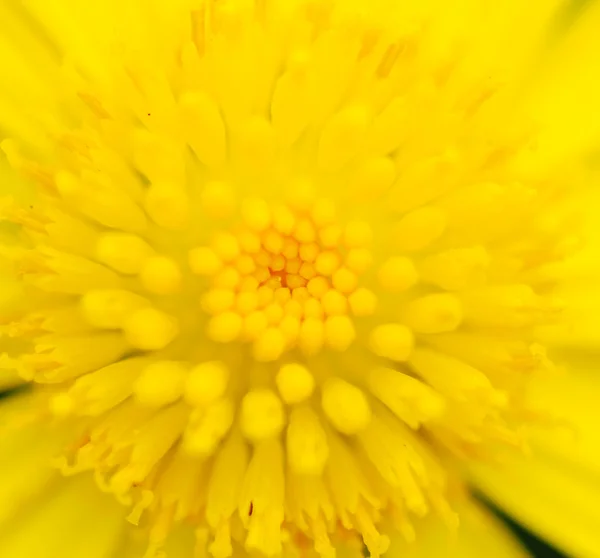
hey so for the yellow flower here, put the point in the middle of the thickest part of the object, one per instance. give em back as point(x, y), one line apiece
point(293, 273)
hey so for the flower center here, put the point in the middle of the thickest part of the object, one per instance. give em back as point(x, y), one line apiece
point(288, 277)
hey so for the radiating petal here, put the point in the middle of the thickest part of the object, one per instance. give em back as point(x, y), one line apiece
point(478, 534)
point(556, 492)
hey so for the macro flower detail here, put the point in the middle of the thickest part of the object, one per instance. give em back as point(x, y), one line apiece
point(282, 279)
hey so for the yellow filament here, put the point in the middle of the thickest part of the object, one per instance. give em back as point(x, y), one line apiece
point(306, 442)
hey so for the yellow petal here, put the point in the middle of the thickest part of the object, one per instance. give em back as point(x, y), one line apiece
point(565, 96)
point(556, 501)
point(8, 379)
point(43, 515)
point(478, 534)
point(573, 399)
point(28, 100)
point(75, 520)
point(556, 492)
point(578, 280)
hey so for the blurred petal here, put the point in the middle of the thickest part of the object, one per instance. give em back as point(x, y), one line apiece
point(479, 534)
point(556, 493)
point(74, 520)
point(29, 94)
point(39, 509)
point(26, 455)
point(564, 98)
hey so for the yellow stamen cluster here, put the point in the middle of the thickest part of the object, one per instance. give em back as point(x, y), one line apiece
point(278, 281)
point(271, 280)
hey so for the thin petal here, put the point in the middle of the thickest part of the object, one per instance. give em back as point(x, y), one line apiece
point(565, 96)
point(556, 501)
point(556, 493)
point(76, 520)
point(479, 534)
point(41, 513)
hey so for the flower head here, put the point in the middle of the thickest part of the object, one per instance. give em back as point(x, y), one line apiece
point(284, 266)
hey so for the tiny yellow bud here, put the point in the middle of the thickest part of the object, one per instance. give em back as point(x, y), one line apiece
point(216, 301)
point(309, 252)
point(393, 341)
point(345, 405)
point(168, 206)
point(208, 426)
point(245, 264)
point(307, 270)
point(359, 259)
point(290, 249)
point(206, 383)
point(149, 329)
point(295, 383)
point(160, 383)
point(126, 253)
point(160, 275)
point(249, 242)
point(269, 345)
point(246, 302)
point(273, 242)
point(226, 246)
point(256, 214)
point(108, 308)
point(334, 303)
point(225, 327)
point(282, 295)
point(317, 286)
point(327, 262)
point(262, 415)
point(283, 220)
point(274, 312)
point(254, 324)
point(339, 332)
point(330, 236)
point(227, 278)
point(312, 336)
point(305, 231)
point(344, 280)
point(290, 327)
point(313, 309)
